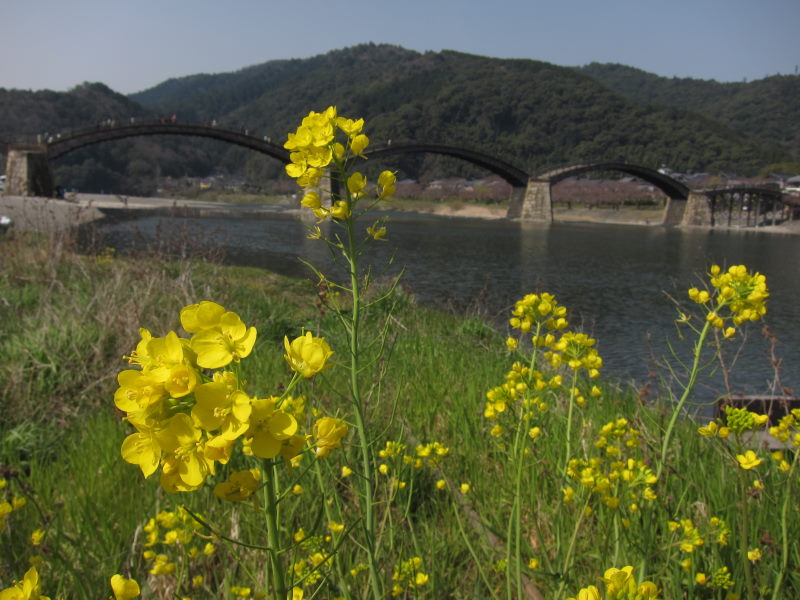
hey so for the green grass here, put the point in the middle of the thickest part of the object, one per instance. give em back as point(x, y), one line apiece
point(69, 319)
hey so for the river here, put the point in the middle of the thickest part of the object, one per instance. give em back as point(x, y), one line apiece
point(614, 279)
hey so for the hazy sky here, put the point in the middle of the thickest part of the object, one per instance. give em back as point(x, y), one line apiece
point(132, 45)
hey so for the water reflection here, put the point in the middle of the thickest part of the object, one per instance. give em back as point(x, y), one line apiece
point(614, 279)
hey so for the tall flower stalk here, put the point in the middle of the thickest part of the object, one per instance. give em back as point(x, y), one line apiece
point(317, 155)
point(734, 297)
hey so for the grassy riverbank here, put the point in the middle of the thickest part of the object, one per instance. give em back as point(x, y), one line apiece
point(69, 318)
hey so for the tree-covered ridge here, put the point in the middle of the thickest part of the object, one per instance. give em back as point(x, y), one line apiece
point(533, 114)
point(27, 113)
point(766, 109)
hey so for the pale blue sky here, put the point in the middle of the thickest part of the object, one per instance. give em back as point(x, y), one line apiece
point(131, 45)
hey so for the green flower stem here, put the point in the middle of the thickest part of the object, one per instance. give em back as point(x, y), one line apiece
point(337, 564)
point(279, 585)
point(784, 564)
point(571, 548)
point(744, 538)
point(569, 419)
point(516, 516)
point(535, 350)
point(366, 456)
point(698, 348)
point(514, 520)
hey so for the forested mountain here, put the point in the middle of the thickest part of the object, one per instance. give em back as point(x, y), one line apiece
point(533, 114)
point(767, 109)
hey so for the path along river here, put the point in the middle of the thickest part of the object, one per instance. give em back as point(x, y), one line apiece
point(614, 279)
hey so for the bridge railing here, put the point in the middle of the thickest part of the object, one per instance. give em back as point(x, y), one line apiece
point(62, 134)
point(539, 170)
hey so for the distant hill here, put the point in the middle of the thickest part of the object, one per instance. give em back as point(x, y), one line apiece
point(533, 114)
point(767, 109)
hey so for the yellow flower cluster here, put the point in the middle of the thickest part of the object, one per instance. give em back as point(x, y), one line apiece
point(614, 477)
point(188, 418)
point(396, 461)
point(315, 563)
point(392, 449)
point(720, 579)
point(7, 507)
point(691, 537)
point(309, 569)
point(408, 576)
point(779, 457)
point(736, 296)
point(522, 391)
point(240, 591)
point(538, 309)
point(620, 584)
point(737, 421)
point(740, 420)
point(428, 455)
point(313, 147)
point(716, 531)
point(174, 532)
point(788, 428)
point(577, 351)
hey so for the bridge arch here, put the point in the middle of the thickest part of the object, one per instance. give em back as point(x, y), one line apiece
point(95, 135)
point(676, 190)
point(516, 177)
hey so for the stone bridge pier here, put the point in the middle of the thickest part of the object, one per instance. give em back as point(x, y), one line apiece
point(534, 205)
point(28, 172)
point(698, 211)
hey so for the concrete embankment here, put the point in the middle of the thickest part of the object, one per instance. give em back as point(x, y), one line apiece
point(46, 214)
point(50, 214)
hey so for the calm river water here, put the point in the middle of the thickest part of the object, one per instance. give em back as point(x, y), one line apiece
point(613, 278)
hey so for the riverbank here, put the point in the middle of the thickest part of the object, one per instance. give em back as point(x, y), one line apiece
point(49, 214)
point(70, 318)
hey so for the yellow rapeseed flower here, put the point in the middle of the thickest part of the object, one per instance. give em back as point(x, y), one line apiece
point(358, 144)
point(341, 210)
point(124, 589)
point(307, 355)
point(239, 486)
point(270, 429)
point(37, 536)
point(328, 433)
point(754, 555)
point(335, 527)
point(229, 341)
point(748, 460)
point(377, 232)
point(588, 593)
point(387, 183)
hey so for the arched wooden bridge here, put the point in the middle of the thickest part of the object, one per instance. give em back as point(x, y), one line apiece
point(29, 170)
